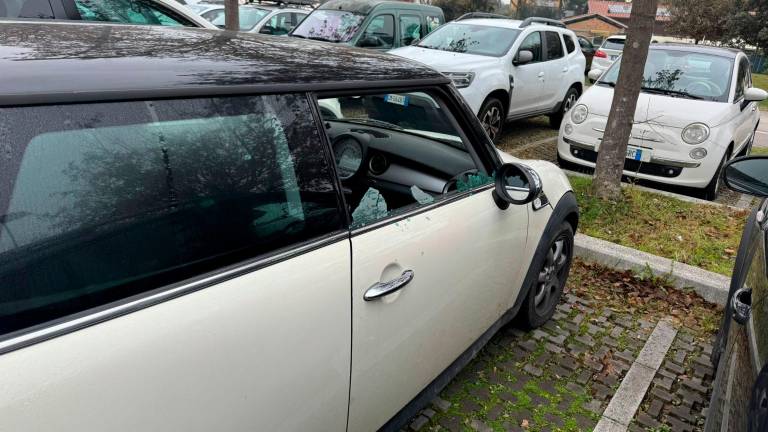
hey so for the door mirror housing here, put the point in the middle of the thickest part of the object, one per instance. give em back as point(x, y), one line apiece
point(516, 184)
point(754, 94)
point(368, 42)
point(748, 175)
point(522, 58)
point(594, 75)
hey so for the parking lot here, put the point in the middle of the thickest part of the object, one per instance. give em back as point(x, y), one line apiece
point(562, 376)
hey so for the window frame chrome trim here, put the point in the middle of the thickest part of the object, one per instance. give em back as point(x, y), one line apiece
point(65, 325)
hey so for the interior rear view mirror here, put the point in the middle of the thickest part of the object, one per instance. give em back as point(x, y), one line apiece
point(748, 175)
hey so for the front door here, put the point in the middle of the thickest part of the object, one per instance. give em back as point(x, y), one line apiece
point(528, 79)
point(172, 265)
point(746, 114)
point(424, 225)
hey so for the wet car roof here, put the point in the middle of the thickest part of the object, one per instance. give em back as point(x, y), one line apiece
point(366, 6)
point(68, 62)
point(718, 51)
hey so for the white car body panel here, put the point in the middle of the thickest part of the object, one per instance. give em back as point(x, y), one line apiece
point(459, 253)
point(186, 13)
point(538, 87)
point(238, 356)
point(659, 122)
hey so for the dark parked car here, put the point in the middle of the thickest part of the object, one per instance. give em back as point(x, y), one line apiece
point(377, 24)
point(740, 394)
point(588, 49)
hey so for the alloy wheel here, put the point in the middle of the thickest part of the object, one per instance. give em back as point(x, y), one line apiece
point(552, 275)
point(491, 121)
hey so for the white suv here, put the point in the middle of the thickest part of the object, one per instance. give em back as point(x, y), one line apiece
point(697, 110)
point(506, 69)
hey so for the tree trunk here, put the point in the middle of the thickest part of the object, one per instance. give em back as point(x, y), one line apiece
point(231, 15)
point(613, 149)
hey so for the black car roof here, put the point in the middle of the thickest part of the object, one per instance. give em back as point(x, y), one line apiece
point(366, 6)
point(703, 49)
point(69, 62)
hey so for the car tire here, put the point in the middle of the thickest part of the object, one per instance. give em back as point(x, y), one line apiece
point(547, 288)
point(492, 118)
point(569, 102)
point(709, 193)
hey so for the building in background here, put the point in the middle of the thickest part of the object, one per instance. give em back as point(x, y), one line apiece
point(594, 27)
point(620, 10)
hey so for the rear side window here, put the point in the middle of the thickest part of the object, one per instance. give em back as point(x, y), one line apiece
point(128, 12)
point(410, 29)
point(614, 44)
point(569, 44)
point(100, 202)
point(554, 46)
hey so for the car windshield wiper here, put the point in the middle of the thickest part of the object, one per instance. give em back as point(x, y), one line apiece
point(671, 92)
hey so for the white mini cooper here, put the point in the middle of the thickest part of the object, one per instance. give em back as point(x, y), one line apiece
point(697, 109)
point(227, 238)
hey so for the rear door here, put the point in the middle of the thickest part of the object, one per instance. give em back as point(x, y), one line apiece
point(173, 265)
point(555, 70)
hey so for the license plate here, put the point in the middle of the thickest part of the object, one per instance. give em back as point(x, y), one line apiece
point(642, 155)
point(396, 99)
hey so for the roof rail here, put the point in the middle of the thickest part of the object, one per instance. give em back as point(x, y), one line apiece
point(481, 15)
point(538, 20)
point(283, 3)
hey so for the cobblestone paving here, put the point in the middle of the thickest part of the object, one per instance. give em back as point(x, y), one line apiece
point(560, 377)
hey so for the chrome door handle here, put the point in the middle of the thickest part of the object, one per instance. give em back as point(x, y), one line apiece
point(380, 289)
point(741, 305)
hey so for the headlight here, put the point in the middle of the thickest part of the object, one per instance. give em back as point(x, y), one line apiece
point(579, 113)
point(461, 79)
point(699, 153)
point(695, 133)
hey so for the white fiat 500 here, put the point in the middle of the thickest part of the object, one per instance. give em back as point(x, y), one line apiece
point(232, 239)
point(697, 109)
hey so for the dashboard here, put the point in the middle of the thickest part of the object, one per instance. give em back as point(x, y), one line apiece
point(392, 159)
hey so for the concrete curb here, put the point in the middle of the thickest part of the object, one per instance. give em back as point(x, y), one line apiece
point(685, 198)
point(712, 287)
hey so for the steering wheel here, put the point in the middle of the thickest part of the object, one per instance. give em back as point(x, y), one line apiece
point(453, 182)
point(710, 89)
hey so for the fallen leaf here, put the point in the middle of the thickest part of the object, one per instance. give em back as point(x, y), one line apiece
point(524, 424)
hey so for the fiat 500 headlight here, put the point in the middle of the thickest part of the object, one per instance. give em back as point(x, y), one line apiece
point(579, 113)
point(695, 133)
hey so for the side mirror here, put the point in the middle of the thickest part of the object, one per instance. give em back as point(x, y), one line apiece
point(522, 58)
point(594, 75)
point(748, 175)
point(754, 94)
point(516, 184)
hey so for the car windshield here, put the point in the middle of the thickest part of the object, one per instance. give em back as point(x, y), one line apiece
point(614, 44)
point(471, 39)
point(329, 25)
point(682, 74)
point(249, 17)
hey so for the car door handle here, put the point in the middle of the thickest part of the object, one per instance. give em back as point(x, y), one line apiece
point(754, 107)
point(565, 69)
point(541, 74)
point(380, 289)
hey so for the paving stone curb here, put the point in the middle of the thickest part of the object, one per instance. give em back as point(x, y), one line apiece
point(745, 200)
point(711, 286)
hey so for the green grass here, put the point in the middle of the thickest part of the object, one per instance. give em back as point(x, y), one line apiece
point(761, 81)
point(759, 151)
point(700, 235)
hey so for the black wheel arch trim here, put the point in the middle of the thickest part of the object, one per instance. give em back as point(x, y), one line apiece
point(566, 210)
